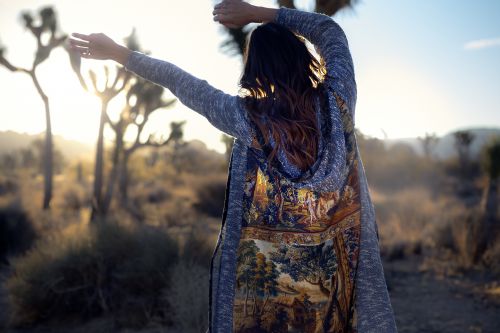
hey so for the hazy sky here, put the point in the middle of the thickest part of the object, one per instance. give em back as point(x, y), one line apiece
point(421, 66)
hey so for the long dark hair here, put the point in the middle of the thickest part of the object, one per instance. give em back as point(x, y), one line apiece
point(280, 81)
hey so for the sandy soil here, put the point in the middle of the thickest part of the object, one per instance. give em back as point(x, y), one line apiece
point(425, 302)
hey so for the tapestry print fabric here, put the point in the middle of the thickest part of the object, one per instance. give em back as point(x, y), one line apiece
point(297, 255)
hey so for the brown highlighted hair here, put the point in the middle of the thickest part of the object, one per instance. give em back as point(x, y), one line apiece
point(280, 81)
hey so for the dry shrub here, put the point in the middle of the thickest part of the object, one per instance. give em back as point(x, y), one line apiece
point(17, 232)
point(210, 194)
point(197, 249)
point(75, 198)
point(405, 219)
point(189, 293)
point(189, 285)
point(452, 236)
point(491, 258)
point(179, 213)
point(8, 186)
point(86, 272)
point(459, 235)
point(151, 192)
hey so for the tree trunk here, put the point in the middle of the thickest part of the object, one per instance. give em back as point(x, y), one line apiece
point(488, 228)
point(264, 304)
point(79, 173)
point(491, 203)
point(245, 307)
point(113, 175)
point(254, 309)
point(123, 181)
point(48, 158)
point(99, 165)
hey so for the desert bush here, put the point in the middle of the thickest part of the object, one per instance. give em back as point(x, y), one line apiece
point(8, 186)
point(74, 198)
point(210, 196)
point(401, 250)
point(491, 259)
point(405, 219)
point(188, 290)
point(150, 192)
point(197, 249)
point(17, 232)
point(459, 234)
point(91, 271)
point(189, 283)
point(179, 213)
point(158, 195)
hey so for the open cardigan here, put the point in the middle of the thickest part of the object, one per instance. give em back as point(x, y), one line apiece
point(226, 112)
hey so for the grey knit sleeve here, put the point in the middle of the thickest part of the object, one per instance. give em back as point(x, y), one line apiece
point(331, 44)
point(222, 110)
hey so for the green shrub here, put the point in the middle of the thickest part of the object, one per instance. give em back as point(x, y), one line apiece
point(17, 232)
point(86, 272)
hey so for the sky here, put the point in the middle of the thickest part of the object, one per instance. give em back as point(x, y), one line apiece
point(421, 66)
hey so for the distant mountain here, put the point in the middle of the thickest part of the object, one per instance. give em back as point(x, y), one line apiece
point(71, 149)
point(445, 147)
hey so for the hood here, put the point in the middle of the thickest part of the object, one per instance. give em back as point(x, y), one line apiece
point(330, 170)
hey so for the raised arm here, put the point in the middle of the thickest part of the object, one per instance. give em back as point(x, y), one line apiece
point(222, 110)
point(320, 29)
point(331, 44)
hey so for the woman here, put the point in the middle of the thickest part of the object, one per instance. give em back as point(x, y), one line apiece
point(298, 246)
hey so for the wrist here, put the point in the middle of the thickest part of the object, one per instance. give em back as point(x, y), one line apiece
point(263, 14)
point(121, 54)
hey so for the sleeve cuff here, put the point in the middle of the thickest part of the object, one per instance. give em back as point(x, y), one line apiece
point(132, 60)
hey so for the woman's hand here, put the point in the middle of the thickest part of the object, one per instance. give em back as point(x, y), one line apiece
point(237, 13)
point(233, 13)
point(99, 46)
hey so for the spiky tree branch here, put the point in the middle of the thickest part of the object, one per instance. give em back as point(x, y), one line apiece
point(48, 24)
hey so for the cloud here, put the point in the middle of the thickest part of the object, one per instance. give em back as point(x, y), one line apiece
point(482, 43)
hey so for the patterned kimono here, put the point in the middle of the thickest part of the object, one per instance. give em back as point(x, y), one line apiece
point(298, 251)
point(292, 256)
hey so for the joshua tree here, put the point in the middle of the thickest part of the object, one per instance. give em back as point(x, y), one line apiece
point(237, 37)
point(112, 87)
point(463, 141)
point(489, 228)
point(143, 98)
point(429, 142)
point(177, 133)
point(47, 25)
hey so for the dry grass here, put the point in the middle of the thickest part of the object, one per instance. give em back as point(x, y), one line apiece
point(84, 272)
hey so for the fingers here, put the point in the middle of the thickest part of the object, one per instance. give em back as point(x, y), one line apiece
point(218, 11)
point(81, 36)
point(75, 42)
point(220, 18)
point(83, 51)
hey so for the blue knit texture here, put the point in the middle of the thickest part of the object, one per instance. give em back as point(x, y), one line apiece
point(226, 112)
